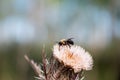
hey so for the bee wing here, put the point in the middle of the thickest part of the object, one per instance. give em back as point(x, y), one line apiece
point(70, 38)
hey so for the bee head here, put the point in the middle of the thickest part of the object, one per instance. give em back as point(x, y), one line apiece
point(63, 41)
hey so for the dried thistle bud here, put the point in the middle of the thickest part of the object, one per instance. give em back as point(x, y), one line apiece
point(73, 56)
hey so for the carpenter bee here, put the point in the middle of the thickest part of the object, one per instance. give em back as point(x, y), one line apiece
point(65, 42)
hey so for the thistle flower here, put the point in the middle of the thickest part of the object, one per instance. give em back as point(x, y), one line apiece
point(66, 63)
point(74, 57)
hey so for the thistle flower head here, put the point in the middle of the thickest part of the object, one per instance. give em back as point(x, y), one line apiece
point(73, 56)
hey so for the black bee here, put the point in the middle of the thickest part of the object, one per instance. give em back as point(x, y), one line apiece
point(64, 42)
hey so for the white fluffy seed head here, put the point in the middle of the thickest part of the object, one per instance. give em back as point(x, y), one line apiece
point(73, 56)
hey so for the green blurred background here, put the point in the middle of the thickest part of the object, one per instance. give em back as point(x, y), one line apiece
point(27, 25)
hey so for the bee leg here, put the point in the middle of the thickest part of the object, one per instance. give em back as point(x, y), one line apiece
point(59, 47)
point(69, 45)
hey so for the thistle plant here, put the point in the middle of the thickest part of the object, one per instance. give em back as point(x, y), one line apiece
point(66, 63)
